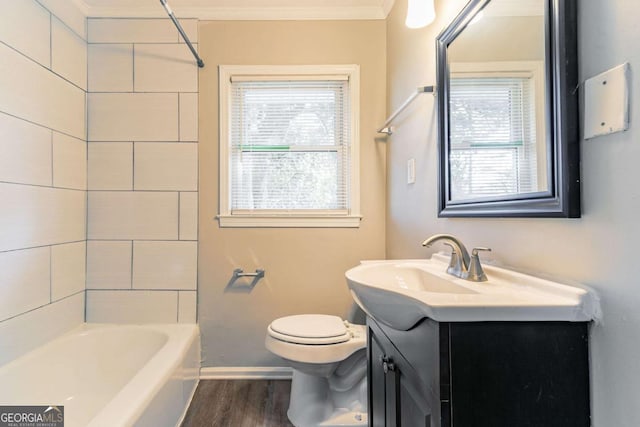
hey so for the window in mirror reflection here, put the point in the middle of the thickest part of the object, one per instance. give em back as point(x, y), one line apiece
point(497, 122)
point(493, 136)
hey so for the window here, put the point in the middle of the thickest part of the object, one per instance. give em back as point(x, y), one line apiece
point(289, 146)
point(493, 134)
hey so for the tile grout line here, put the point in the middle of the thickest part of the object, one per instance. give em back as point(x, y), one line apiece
point(40, 247)
point(85, 39)
point(46, 186)
point(41, 65)
point(39, 125)
point(40, 307)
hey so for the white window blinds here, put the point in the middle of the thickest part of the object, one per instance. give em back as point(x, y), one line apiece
point(493, 136)
point(289, 145)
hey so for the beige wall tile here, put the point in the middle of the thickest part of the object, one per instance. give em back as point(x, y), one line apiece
point(40, 216)
point(165, 265)
point(110, 67)
point(24, 25)
point(24, 281)
point(133, 116)
point(109, 265)
point(187, 306)
point(67, 269)
point(25, 152)
point(132, 306)
point(69, 13)
point(188, 117)
point(69, 162)
point(68, 53)
point(189, 216)
point(166, 166)
point(132, 215)
point(32, 92)
point(106, 30)
point(110, 166)
point(40, 326)
point(164, 68)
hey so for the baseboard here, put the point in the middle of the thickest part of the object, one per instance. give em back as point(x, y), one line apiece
point(246, 373)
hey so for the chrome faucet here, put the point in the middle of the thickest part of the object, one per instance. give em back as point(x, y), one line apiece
point(461, 265)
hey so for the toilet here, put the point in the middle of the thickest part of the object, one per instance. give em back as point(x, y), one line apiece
point(329, 361)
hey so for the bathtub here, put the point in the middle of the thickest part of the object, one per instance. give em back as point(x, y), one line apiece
point(110, 375)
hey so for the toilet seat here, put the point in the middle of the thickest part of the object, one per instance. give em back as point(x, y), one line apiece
point(314, 348)
point(313, 329)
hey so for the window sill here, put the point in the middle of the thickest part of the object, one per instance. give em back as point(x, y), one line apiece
point(266, 221)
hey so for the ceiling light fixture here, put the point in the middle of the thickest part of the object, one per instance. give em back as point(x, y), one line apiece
point(420, 13)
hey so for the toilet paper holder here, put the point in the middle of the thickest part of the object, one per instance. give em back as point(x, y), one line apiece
point(239, 273)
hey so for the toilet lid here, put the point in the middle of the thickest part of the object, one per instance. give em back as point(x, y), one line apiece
point(311, 326)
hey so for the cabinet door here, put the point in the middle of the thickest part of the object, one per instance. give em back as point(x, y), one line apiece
point(376, 383)
point(395, 400)
point(519, 374)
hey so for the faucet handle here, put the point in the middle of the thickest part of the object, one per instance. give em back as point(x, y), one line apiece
point(475, 251)
point(455, 267)
point(476, 273)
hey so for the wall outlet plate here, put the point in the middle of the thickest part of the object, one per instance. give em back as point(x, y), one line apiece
point(606, 102)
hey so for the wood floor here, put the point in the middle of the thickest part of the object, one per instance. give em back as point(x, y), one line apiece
point(239, 403)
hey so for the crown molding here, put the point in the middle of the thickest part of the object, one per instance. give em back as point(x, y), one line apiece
point(245, 13)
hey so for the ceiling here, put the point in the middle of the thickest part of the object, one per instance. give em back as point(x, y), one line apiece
point(241, 9)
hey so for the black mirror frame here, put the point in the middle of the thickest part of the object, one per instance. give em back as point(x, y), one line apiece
point(562, 200)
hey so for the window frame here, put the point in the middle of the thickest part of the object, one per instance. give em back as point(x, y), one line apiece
point(341, 218)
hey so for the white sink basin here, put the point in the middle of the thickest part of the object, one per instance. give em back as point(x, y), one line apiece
point(400, 293)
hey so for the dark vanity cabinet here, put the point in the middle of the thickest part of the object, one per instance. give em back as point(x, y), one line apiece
point(479, 374)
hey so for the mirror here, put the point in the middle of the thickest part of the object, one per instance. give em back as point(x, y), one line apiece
point(508, 111)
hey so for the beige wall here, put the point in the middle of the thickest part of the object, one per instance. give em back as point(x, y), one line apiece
point(500, 38)
point(304, 267)
point(600, 249)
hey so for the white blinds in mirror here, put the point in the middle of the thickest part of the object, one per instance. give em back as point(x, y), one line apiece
point(492, 136)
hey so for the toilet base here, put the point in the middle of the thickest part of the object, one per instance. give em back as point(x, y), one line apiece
point(314, 404)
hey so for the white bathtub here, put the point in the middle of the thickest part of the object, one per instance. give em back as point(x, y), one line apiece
point(110, 375)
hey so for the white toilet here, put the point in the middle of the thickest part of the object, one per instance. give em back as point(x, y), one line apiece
point(329, 361)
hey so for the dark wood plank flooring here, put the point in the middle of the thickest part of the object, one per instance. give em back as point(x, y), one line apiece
point(239, 403)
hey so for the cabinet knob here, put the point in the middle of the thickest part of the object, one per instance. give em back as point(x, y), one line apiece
point(388, 365)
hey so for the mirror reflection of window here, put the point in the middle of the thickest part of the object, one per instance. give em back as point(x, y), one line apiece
point(493, 136)
point(497, 125)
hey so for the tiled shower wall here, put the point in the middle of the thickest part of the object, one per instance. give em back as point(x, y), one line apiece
point(143, 172)
point(43, 81)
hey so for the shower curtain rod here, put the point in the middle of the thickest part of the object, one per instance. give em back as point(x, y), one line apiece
point(182, 33)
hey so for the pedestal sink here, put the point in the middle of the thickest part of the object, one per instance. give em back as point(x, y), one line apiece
point(400, 293)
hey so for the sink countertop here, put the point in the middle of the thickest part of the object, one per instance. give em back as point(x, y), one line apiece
point(402, 292)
